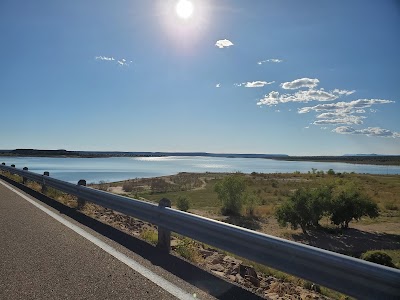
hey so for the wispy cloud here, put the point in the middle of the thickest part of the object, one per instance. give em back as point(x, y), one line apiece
point(121, 62)
point(343, 92)
point(370, 131)
point(342, 120)
point(104, 58)
point(344, 113)
point(271, 60)
point(124, 62)
point(254, 84)
point(344, 106)
point(223, 43)
point(300, 83)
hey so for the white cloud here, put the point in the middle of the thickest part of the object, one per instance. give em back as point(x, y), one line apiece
point(223, 43)
point(360, 111)
point(218, 85)
point(344, 106)
point(299, 83)
point(343, 92)
point(299, 96)
point(104, 58)
point(343, 120)
point(309, 95)
point(255, 84)
point(272, 60)
point(120, 62)
point(124, 62)
point(271, 99)
point(370, 131)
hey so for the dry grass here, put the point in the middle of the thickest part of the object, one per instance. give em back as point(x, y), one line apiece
point(149, 235)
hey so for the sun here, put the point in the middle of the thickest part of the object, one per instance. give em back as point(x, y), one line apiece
point(184, 9)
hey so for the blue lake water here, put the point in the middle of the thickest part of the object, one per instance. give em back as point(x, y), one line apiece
point(121, 168)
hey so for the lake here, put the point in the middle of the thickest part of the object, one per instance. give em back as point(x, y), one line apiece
point(121, 168)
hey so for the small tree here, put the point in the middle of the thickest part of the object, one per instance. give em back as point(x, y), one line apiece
point(330, 172)
point(230, 192)
point(251, 202)
point(350, 204)
point(304, 208)
point(183, 203)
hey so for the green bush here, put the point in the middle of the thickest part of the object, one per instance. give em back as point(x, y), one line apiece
point(251, 202)
point(187, 248)
point(378, 257)
point(149, 235)
point(350, 204)
point(230, 192)
point(304, 208)
point(183, 203)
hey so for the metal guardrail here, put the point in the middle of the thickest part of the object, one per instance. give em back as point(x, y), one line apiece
point(351, 276)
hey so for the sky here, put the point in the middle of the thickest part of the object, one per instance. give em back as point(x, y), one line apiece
point(289, 77)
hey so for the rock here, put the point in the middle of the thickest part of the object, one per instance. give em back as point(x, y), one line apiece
point(217, 267)
point(247, 270)
point(255, 281)
point(272, 296)
point(269, 280)
point(238, 278)
point(218, 273)
point(232, 277)
point(250, 274)
point(232, 260)
point(276, 287)
point(305, 296)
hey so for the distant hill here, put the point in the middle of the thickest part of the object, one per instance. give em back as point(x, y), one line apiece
point(66, 153)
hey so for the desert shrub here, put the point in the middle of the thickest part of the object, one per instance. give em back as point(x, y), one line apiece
point(378, 257)
point(103, 186)
point(350, 204)
point(128, 186)
point(149, 235)
point(187, 249)
point(230, 192)
point(251, 202)
point(311, 286)
point(183, 203)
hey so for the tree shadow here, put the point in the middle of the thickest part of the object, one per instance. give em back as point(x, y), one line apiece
point(248, 222)
point(349, 241)
point(211, 284)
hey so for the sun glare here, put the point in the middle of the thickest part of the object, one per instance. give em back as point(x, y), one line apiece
point(184, 9)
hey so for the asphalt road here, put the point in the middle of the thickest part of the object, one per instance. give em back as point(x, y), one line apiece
point(40, 258)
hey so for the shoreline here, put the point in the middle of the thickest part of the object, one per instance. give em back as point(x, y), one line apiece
point(377, 160)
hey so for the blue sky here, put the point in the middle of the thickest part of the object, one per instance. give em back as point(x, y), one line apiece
point(294, 77)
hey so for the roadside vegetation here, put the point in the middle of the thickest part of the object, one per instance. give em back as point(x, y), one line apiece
point(321, 204)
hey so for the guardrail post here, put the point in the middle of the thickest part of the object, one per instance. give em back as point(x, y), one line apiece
point(24, 180)
point(81, 201)
point(164, 235)
point(44, 187)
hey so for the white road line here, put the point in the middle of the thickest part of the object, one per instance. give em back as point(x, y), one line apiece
point(165, 284)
